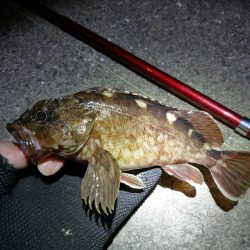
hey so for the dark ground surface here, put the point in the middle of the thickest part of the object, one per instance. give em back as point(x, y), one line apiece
point(203, 43)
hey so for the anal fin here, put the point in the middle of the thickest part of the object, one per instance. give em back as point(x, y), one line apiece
point(185, 172)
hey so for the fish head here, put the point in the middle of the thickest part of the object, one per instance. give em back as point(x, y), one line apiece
point(52, 126)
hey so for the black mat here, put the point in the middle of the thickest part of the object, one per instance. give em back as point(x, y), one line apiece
point(48, 212)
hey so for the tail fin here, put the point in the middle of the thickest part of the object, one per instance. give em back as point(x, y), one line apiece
point(232, 173)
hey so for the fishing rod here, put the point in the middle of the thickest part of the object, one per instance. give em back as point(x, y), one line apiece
point(239, 123)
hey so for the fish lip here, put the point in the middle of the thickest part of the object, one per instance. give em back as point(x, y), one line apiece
point(17, 133)
point(26, 140)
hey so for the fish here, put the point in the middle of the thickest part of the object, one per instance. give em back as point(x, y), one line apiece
point(116, 131)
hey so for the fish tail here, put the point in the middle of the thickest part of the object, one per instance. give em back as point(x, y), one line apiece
point(231, 172)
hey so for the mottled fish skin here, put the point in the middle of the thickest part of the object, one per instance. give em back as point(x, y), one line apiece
point(117, 131)
point(140, 132)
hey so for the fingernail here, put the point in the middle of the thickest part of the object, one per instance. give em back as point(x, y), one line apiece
point(49, 168)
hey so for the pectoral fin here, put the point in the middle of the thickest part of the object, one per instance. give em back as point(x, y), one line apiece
point(132, 181)
point(101, 181)
point(185, 172)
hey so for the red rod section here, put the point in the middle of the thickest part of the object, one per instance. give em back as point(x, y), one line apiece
point(136, 64)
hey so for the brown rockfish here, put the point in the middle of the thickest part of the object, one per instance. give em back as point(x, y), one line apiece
point(116, 131)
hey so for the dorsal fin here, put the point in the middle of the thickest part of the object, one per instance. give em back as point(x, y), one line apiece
point(202, 126)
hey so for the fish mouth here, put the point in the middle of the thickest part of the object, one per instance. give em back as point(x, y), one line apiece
point(28, 143)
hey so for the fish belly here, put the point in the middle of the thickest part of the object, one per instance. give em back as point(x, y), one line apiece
point(137, 146)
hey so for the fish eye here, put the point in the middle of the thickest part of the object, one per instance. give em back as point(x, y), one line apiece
point(41, 116)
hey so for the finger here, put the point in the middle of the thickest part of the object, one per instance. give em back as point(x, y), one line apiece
point(50, 165)
point(14, 154)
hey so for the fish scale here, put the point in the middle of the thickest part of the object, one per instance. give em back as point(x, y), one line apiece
point(116, 131)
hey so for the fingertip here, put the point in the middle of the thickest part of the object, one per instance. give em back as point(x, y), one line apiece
point(50, 165)
point(14, 154)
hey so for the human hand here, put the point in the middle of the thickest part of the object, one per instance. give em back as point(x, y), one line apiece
point(19, 160)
